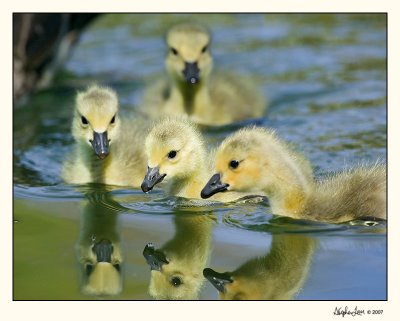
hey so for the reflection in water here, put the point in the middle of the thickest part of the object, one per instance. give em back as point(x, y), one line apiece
point(99, 247)
point(176, 268)
point(278, 275)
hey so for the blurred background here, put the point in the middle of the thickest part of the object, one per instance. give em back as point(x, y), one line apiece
point(324, 76)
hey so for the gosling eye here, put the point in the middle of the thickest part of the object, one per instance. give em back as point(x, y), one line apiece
point(172, 154)
point(84, 120)
point(234, 164)
point(112, 120)
point(174, 51)
point(175, 281)
point(204, 49)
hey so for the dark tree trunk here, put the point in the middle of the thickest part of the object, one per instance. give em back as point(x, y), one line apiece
point(41, 44)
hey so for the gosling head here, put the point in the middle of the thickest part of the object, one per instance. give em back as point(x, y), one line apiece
point(172, 277)
point(246, 161)
point(174, 149)
point(188, 58)
point(95, 122)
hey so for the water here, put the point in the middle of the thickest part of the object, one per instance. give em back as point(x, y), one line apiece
point(325, 79)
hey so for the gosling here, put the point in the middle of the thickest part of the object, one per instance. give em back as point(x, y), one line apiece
point(108, 149)
point(255, 159)
point(192, 90)
point(176, 155)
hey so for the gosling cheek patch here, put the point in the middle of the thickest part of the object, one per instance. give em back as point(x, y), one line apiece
point(213, 186)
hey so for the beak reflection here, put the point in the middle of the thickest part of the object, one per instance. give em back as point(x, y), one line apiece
point(154, 258)
point(218, 280)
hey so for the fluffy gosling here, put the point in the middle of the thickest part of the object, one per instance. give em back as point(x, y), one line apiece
point(255, 159)
point(108, 148)
point(192, 89)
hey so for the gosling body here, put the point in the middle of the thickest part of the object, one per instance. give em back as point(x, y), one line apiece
point(193, 90)
point(123, 161)
point(255, 159)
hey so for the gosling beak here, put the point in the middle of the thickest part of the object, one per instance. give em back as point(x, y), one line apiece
point(103, 251)
point(218, 280)
point(154, 258)
point(152, 178)
point(214, 186)
point(191, 72)
point(100, 144)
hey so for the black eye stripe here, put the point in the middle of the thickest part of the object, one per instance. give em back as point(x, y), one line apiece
point(204, 49)
point(172, 154)
point(234, 164)
point(174, 51)
point(112, 120)
point(84, 120)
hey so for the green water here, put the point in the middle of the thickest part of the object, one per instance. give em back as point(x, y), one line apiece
point(325, 79)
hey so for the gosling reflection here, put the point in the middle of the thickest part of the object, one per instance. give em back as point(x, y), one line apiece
point(176, 268)
point(279, 275)
point(99, 247)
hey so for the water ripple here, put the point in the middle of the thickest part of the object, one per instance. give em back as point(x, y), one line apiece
point(266, 222)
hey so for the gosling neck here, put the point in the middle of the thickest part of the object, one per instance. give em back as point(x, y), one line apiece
point(95, 165)
point(290, 191)
point(190, 94)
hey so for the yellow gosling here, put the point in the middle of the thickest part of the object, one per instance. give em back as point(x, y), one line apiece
point(279, 275)
point(177, 155)
point(255, 159)
point(192, 89)
point(108, 149)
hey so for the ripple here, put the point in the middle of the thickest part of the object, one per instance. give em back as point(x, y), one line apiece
point(51, 193)
point(150, 207)
point(266, 222)
point(44, 163)
point(172, 205)
point(103, 195)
